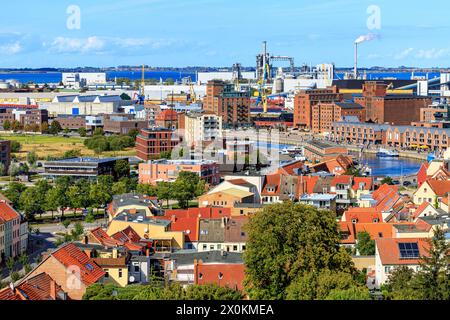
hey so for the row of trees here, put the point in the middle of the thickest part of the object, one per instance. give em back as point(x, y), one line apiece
point(151, 292)
point(99, 143)
point(66, 193)
point(187, 187)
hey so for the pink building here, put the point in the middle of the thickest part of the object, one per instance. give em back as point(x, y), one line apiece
point(168, 170)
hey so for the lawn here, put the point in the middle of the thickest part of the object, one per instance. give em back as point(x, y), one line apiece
point(56, 146)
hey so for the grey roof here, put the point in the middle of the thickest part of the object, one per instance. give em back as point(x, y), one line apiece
point(211, 230)
point(147, 220)
point(207, 257)
point(441, 218)
point(349, 105)
point(85, 160)
point(317, 197)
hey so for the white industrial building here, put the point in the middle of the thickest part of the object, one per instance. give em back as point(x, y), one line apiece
point(160, 92)
point(86, 105)
point(82, 79)
point(204, 77)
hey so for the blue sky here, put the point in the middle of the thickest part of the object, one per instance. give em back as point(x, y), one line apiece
point(220, 32)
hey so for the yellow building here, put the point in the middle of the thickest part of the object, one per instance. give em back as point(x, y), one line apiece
point(115, 268)
point(432, 190)
point(149, 228)
point(226, 198)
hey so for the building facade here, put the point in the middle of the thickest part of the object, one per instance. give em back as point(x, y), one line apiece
point(152, 141)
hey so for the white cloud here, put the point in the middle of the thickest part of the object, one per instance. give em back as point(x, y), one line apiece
point(76, 45)
point(103, 45)
point(433, 53)
point(402, 55)
point(11, 48)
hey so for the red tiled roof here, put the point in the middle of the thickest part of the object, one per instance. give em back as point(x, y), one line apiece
point(376, 230)
point(342, 179)
point(8, 294)
point(420, 209)
point(306, 184)
point(69, 255)
point(188, 225)
point(199, 212)
point(272, 180)
point(7, 213)
point(445, 201)
point(362, 215)
point(390, 253)
point(290, 167)
point(440, 187)
point(239, 182)
point(127, 235)
point(103, 238)
point(232, 274)
point(367, 182)
point(40, 287)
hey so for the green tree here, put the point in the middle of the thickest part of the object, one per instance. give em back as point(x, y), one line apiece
point(15, 146)
point(387, 180)
point(23, 259)
point(365, 245)
point(54, 128)
point(32, 158)
point(74, 153)
point(99, 194)
point(77, 231)
point(164, 191)
point(6, 125)
point(434, 275)
point(2, 169)
point(82, 131)
point(119, 187)
point(287, 242)
point(29, 202)
point(121, 168)
point(13, 192)
point(51, 200)
point(166, 155)
point(10, 263)
point(400, 285)
point(66, 224)
point(147, 189)
point(98, 132)
point(187, 186)
point(353, 293)
point(124, 96)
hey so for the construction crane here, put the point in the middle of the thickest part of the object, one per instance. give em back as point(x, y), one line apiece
point(264, 76)
point(193, 96)
point(141, 96)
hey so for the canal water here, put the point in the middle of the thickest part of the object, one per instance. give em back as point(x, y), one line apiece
point(393, 167)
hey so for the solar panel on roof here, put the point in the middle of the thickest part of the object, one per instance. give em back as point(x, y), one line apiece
point(408, 250)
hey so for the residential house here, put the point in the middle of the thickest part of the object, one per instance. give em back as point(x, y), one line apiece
point(320, 201)
point(13, 232)
point(37, 288)
point(227, 198)
point(133, 202)
point(391, 253)
point(229, 275)
point(71, 269)
point(432, 191)
point(222, 234)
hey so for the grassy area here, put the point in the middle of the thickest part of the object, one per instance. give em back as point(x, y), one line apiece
point(56, 146)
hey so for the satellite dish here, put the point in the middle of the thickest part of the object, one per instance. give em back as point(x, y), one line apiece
point(132, 279)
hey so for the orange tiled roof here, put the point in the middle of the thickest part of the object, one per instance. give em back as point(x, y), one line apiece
point(7, 213)
point(440, 187)
point(69, 255)
point(363, 215)
point(272, 180)
point(366, 181)
point(290, 167)
point(8, 294)
point(103, 238)
point(445, 201)
point(127, 235)
point(342, 179)
point(39, 287)
point(390, 253)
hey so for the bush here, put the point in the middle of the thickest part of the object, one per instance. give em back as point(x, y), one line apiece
point(15, 146)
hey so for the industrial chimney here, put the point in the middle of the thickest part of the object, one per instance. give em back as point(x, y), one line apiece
point(355, 71)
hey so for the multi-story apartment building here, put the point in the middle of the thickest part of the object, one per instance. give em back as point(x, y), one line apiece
point(201, 128)
point(393, 109)
point(223, 100)
point(13, 232)
point(152, 141)
point(305, 100)
point(168, 170)
point(26, 116)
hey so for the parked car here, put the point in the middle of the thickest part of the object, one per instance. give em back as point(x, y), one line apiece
point(406, 184)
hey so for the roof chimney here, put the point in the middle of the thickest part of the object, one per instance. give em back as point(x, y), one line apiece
point(52, 289)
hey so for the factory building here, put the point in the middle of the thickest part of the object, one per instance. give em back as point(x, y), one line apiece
point(79, 80)
point(389, 108)
point(324, 114)
point(86, 105)
point(305, 100)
